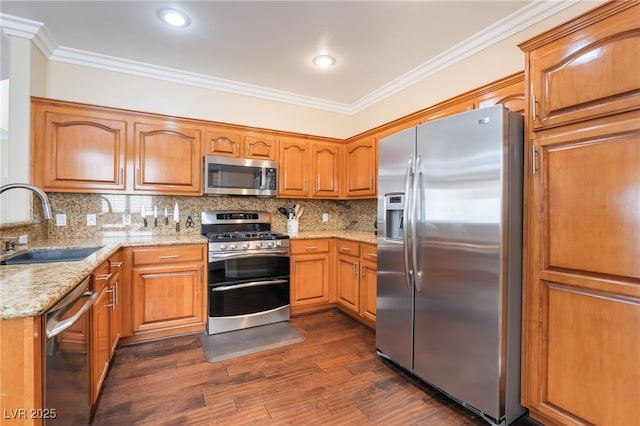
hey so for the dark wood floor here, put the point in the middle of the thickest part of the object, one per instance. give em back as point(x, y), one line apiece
point(334, 377)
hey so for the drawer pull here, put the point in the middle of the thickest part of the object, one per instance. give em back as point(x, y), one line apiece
point(311, 248)
point(104, 277)
point(116, 264)
point(373, 255)
point(172, 256)
point(345, 249)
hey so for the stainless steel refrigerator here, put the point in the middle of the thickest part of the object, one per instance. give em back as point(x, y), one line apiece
point(449, 222)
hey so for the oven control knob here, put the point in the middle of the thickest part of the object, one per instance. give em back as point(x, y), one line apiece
point(245, 246)
point(258, 244)
point(270, 244)
point(278, 243)
point(233, 246)
point(223, 246)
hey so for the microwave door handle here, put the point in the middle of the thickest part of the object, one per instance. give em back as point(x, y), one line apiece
point(263, 182)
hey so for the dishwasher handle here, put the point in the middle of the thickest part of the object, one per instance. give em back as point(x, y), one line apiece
point(55, 327)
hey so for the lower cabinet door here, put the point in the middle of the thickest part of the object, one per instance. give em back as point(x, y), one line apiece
point(100, 347)
point(368, 288)
point(115, 315)
point(167, 296)
point(349, 283)
point(309, 279)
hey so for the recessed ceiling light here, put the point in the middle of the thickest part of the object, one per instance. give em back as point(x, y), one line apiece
point(174, 17)
point(324, 61)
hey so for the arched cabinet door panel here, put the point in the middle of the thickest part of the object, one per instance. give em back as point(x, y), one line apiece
point(168, 158)
point(294, 170)
point(361, 168)
point(588, 73)
point(78, 148)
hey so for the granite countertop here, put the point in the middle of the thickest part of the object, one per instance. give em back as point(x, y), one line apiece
point(359, 236)
point(29, 290)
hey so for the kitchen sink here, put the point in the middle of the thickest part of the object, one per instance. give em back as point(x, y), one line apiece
point(50, 255)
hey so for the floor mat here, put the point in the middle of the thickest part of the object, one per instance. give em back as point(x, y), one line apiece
point(237, 343)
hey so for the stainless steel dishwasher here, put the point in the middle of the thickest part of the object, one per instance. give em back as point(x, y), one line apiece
point(65, 387)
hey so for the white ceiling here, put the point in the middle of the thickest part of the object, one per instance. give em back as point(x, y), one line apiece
point(264, 48)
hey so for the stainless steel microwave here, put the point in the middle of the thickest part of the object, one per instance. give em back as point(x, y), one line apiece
point(240, 176)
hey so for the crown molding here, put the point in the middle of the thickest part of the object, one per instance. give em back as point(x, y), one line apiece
point(32, 30)
point(518, 21)
point(110, 63)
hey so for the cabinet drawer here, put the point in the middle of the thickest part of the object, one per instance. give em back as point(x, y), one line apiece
point(309, 246)
point(169, 254)
point(369, 252)
point(115, 262)
point(101, 277)
point(350, 248)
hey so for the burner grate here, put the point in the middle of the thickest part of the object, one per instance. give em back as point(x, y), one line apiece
point(244, 236)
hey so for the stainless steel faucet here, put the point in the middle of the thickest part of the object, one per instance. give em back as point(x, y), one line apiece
point(46, 206)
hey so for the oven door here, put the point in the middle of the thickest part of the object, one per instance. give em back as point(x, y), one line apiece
point(247, 291)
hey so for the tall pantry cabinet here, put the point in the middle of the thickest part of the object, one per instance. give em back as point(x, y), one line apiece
point(581, 296)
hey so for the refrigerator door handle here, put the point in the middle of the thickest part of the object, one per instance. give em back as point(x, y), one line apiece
point(408, 184)
point(415, 219)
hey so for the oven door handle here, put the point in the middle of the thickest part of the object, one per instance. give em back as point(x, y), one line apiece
point(251, 284)
point(225, 256)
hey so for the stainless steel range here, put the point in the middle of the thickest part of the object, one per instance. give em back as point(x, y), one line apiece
point(248, 270)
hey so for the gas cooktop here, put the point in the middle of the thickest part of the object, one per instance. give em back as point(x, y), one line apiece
point(244, 236)
point(241, 231)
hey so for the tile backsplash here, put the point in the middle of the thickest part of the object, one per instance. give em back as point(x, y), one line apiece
point(112, 210)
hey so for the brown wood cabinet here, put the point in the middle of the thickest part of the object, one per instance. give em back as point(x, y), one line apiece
point(105, 320)
point(168, 288)
point(84, 148)
point(589, 72)
point(361, 168)
point(260, 147)
point(100, 344)
point(368, 282)
point(78, 148)
point(115, 317)
point(581, 298)
point(325, 169)
point(357, 269)
point(233, 142)
point(21, 368)
point(168, 157)
point(294, 168)
point(348, 275)
point(310, 274)
point(309, 169)
point(222, 142)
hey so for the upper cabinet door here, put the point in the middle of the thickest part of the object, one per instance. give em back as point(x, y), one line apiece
point(260, 147)
point(325, 166)
point(589, 73)
point(294, 170)
point(361, 168)
point(78, 149)
point(222, 142)
point(168, 157)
